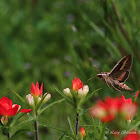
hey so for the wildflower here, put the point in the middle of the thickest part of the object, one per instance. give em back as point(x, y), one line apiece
point(36, 97)
point(35, 91)
point(77, 89)
point(8, 109)
point(132, 135)
point(108, 109)
point(76, 84)
point(82, 132)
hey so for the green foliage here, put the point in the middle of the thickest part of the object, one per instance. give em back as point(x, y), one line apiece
point(54, 41)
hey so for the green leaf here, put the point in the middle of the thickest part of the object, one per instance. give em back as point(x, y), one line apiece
point(134, 126)
point(17, 117)
point(89, 96)
point(55, 102)
point(65, 134)
point(19, 97)
point(21, 131)
point(26, 121)
point(50, 126)
point(95, 128)
point(102, 132)
point(72, 127)
point(64, 96)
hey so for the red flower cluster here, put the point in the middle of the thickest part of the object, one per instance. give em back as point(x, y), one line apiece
point(108, 109)
point(35, 89)
point(37, 94)
point(132, 135)
point(7, 108)
point(77, 84)
point(77, 90)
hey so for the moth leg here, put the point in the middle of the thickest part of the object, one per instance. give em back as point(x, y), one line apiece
point(114, 86)
point(107, 84)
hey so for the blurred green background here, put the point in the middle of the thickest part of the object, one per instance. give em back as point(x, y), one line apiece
point(52, 41)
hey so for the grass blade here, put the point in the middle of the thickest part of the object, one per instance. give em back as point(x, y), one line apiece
point(72, 127)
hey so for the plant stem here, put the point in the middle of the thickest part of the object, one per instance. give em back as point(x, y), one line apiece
point(8, 135)
point(76, 124)
point(36, 130)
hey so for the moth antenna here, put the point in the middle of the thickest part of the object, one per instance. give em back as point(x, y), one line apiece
point(97, 69)
point(90, 79)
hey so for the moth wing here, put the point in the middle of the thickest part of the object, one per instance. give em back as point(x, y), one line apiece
point(121, 70)
point(121, 76)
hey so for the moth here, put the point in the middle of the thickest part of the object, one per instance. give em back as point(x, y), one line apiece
point(118, 75)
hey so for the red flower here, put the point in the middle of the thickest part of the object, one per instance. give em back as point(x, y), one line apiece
point(82, 132)
point(77, 84)
point(132, 135)
point(105, 110)
point(108, 109)
point(25, 110)
point(35, 89)
point(7, 108)
point(128, 108)
point(129, 101)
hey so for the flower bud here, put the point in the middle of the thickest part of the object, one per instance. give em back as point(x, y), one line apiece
point(47, 97)
point(30, 99)
point(67, 92)
point(4, 120)
point(82, 132)
point(85, 90)
point(39, 99)
point(80, 93)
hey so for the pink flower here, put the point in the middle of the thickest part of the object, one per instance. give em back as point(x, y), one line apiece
point(76, 84)
point(35, 89)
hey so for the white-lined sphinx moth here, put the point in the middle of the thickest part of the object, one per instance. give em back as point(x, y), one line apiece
point(118, 75)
